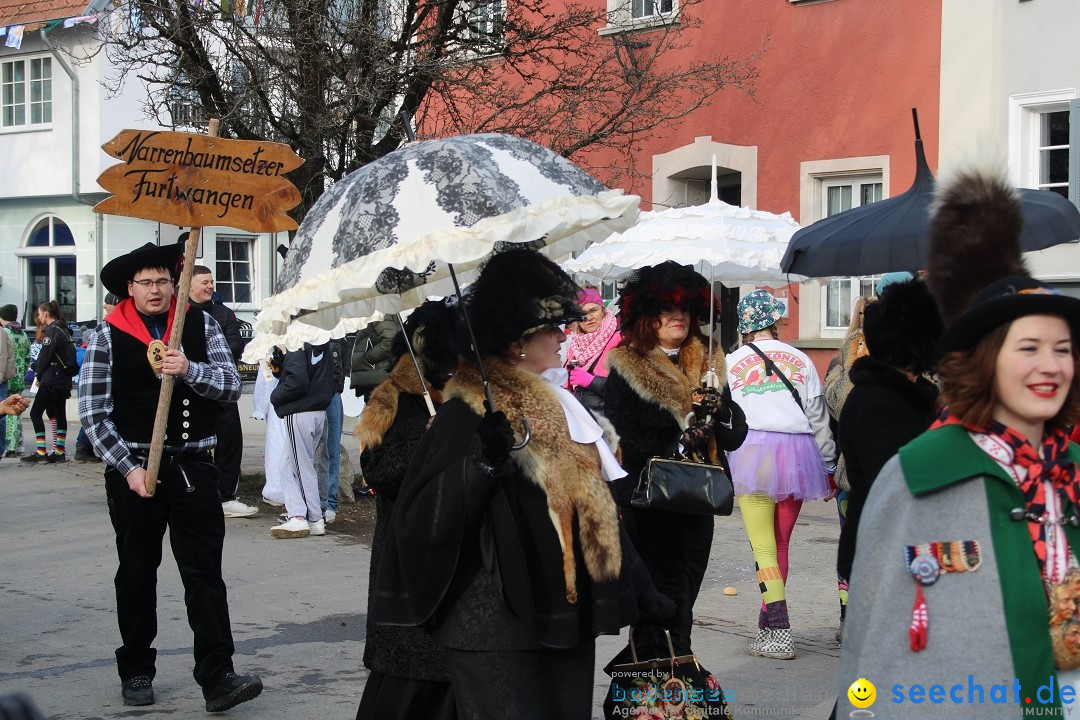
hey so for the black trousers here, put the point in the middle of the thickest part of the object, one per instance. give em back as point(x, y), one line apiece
point(229, 450)
point(187, 502)
point(541, 684)
point(53, 402)
point(674, 547)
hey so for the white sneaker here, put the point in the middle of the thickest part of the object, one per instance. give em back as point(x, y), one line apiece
point(317, 528)
point(275, 503)
point(776, 643)
point(330, 516)
point(293, 528)
point(235, 509)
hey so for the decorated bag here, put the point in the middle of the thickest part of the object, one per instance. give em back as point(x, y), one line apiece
point(665, 687)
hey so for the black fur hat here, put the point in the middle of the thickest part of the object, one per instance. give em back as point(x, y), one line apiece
point(432, 329)
point(655, 288)
point(518, 291)
point(903, 326)
point(976, 272)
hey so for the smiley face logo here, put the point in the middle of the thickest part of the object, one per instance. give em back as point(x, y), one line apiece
point(862, 693)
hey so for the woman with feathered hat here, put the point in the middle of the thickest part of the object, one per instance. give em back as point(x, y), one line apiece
point(408, 676)
point(969, 581)
point(661, 361)
point(509, 550)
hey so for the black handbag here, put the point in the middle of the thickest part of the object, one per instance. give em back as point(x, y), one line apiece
point(665, 687)
point(681, 486)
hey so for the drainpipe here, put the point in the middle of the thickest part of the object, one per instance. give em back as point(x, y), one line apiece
point(99, 222)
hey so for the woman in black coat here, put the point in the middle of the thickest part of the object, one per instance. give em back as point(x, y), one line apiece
point(408, 675)
point(660, 360)
point(510, 550)
point(891, 402)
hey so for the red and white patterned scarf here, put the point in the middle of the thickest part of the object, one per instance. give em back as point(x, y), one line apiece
point(585, 347)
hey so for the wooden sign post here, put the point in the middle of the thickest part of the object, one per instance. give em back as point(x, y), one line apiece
point(192, 180)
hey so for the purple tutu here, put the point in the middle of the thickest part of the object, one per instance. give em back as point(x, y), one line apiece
point(780, 465)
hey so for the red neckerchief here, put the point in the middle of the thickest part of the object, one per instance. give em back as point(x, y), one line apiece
point(126, 318)
point(1052, 466)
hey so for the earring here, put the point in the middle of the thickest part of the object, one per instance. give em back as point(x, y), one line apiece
point(521, 355)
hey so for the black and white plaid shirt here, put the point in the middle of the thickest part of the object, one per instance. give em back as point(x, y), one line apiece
point(216, 380)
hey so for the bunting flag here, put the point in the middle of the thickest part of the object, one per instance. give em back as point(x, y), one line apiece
point(231, 9)
point(70, 22)
point(14, 37)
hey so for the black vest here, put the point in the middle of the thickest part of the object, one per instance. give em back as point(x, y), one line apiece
point(135, 389)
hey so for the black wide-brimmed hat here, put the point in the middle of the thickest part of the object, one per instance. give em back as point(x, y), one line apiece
point(653, 289)
point(1002, 302)
point(518, 291)
point(118, 271)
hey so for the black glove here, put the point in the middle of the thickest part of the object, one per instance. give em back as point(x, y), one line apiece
point(655, 607)
point(695, 439)
point(496, 438)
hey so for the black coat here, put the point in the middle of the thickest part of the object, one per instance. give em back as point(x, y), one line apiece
point(477, 557)
point(884, 411)
point(50, 376)
point(230, 326)
point(306, 381)
point(673, 547)
point(406, 652)
point(647, 430)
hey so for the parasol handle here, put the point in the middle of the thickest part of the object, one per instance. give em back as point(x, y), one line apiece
point(489, 401)
point(416, 364)
point(711, 379)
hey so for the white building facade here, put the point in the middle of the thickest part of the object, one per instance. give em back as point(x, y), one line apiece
point(55, 113)
point(1010, 75)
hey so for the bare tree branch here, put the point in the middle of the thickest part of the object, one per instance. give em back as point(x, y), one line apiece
point(330, 77)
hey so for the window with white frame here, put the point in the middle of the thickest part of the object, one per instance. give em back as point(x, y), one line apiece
point(234, 274)
point(639, 13)
point(26, 92)
point(837, 195)
point(485, 25)
point(649, 8)
point(1051, 156)
point(1039, 139)
point(185, 107)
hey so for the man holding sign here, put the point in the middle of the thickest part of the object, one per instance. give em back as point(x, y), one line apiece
point(118, 399)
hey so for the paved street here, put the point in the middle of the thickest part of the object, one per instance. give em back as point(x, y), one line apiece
point(298, 609)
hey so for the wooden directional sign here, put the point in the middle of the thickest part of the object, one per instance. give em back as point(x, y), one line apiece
point(194, 180)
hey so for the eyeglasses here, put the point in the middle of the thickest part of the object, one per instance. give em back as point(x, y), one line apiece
point(160, 283)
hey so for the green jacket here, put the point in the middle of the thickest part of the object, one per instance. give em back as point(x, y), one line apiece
point(987, 629)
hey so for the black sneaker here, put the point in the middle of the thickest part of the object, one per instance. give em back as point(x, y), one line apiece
point(231, 690)
point(34, 458)
point(57, 457)
point(138, 690)
point(85, 454)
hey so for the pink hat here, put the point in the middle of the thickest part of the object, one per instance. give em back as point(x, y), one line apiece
point(589, 295)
